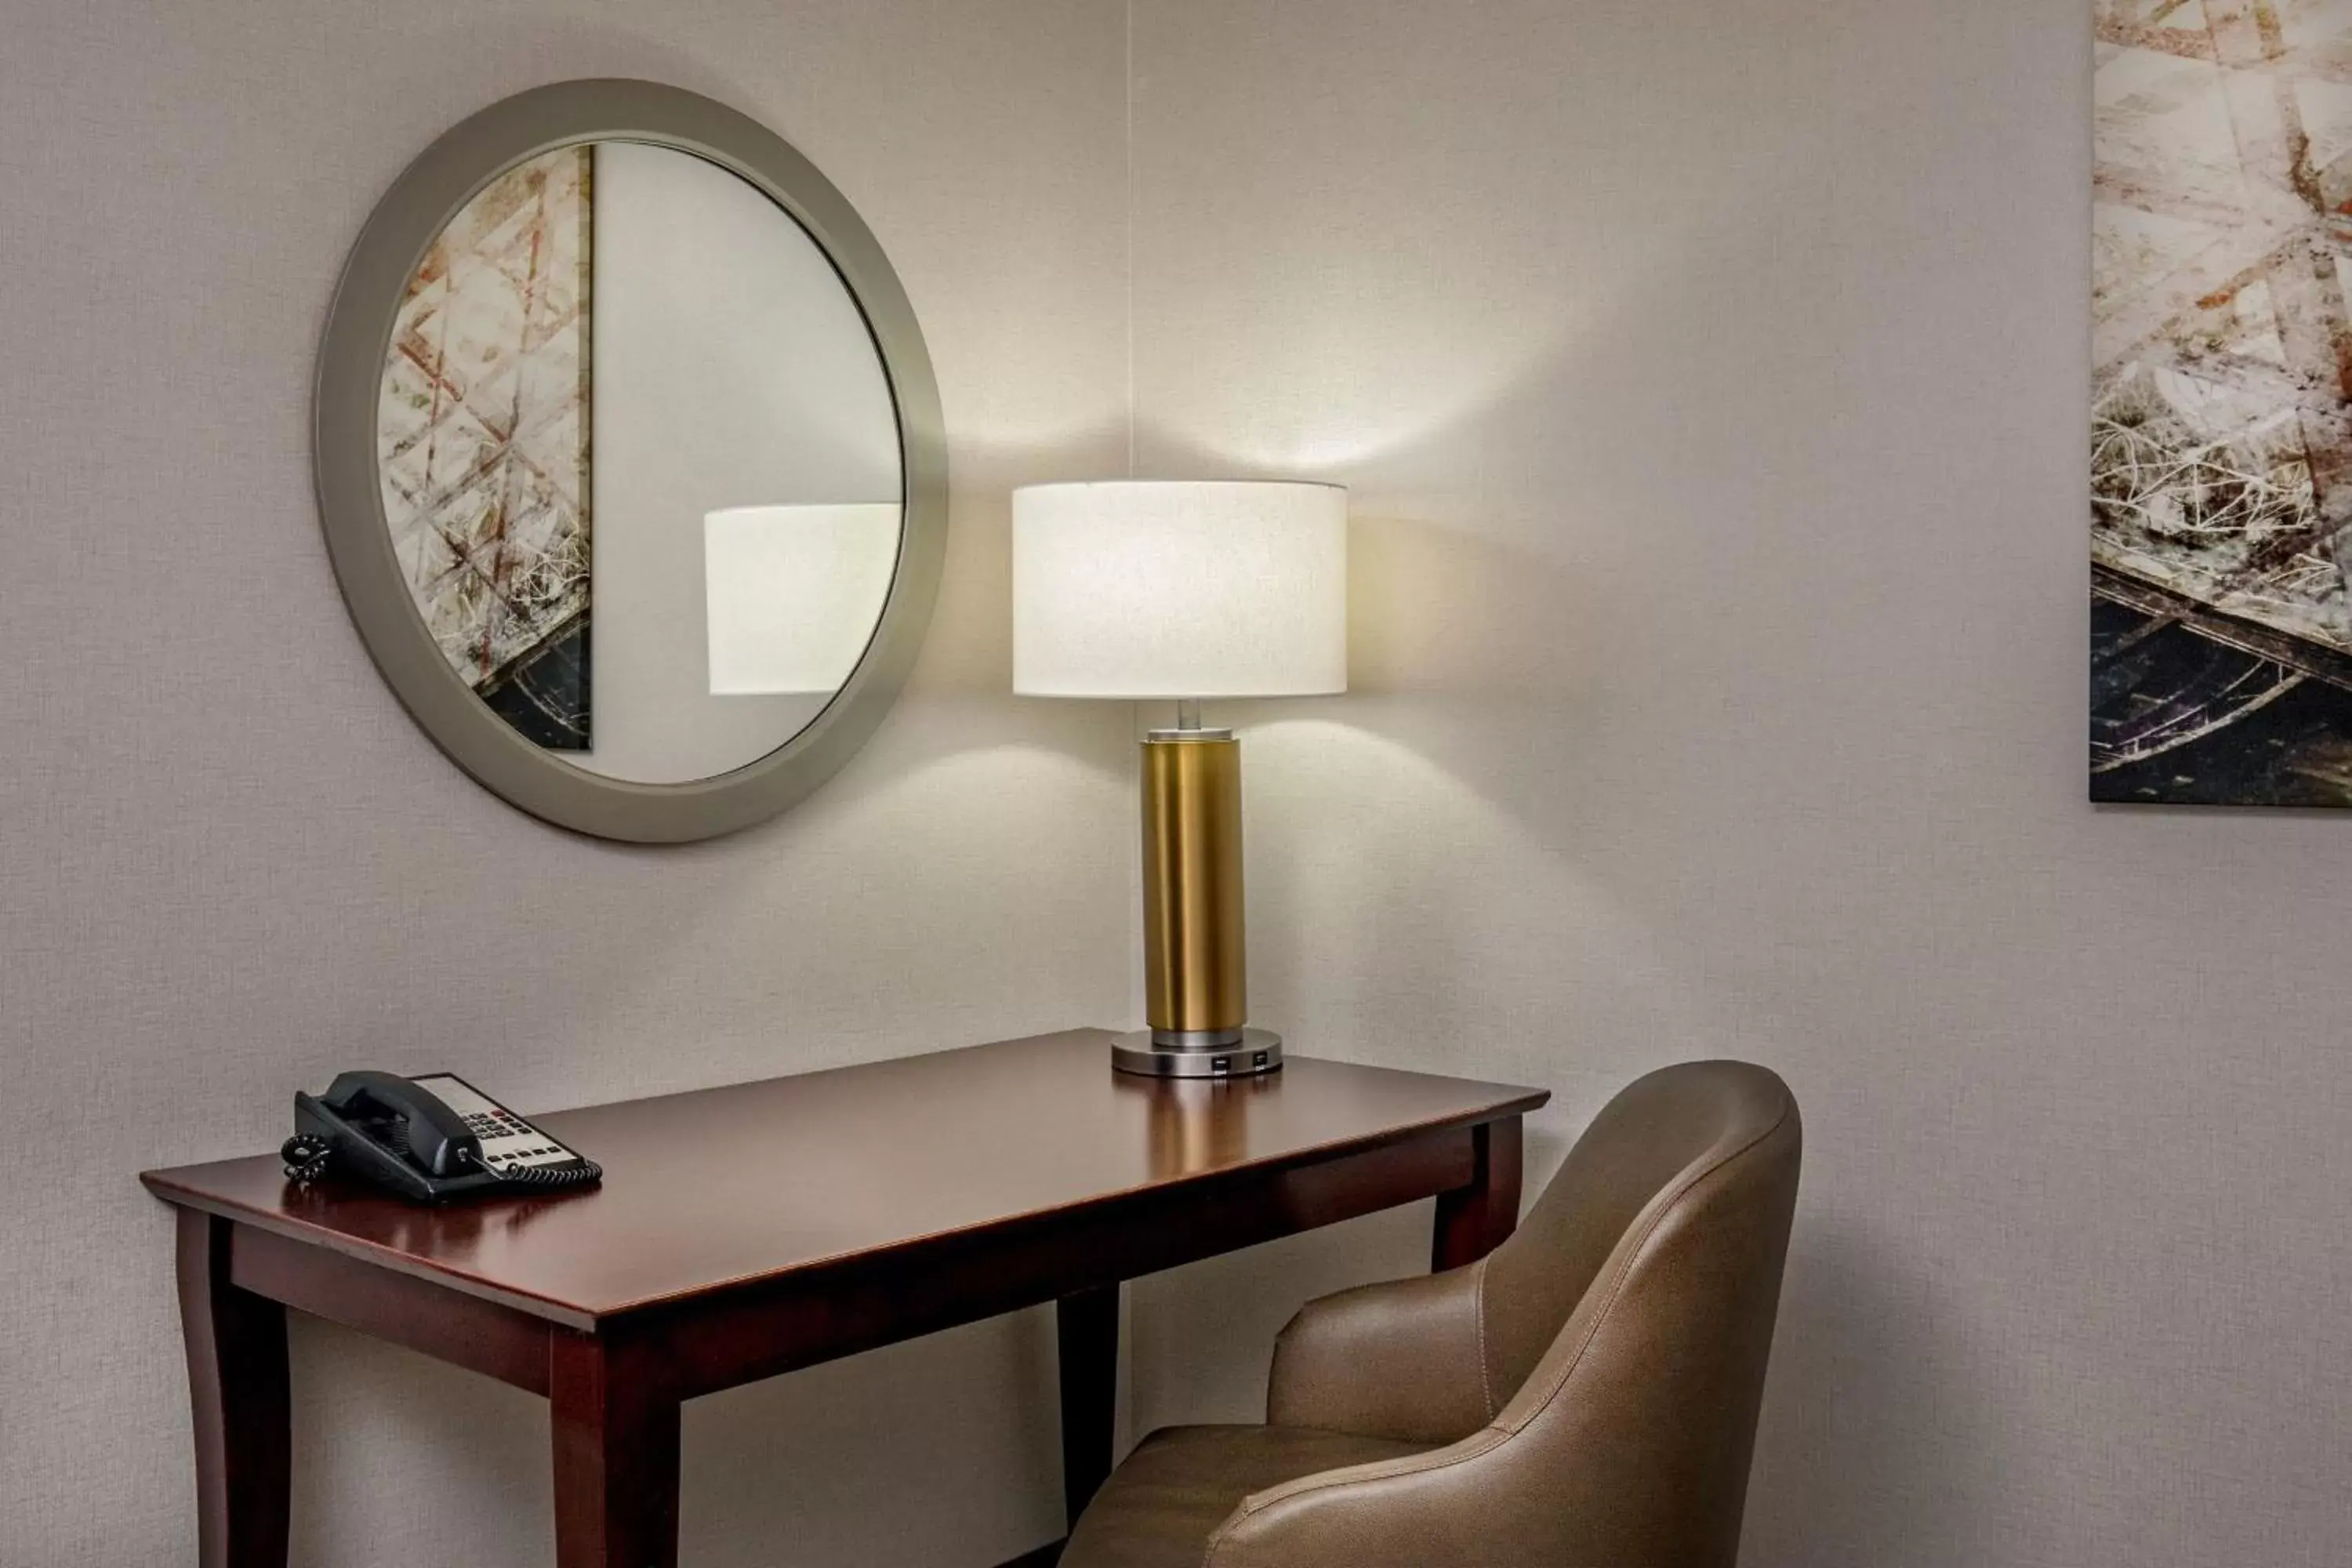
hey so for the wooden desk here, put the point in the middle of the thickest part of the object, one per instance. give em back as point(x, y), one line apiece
point(747, 1231)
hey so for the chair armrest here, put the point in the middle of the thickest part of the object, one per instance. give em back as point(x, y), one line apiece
point(1401, 1360)
point(1443, 1506)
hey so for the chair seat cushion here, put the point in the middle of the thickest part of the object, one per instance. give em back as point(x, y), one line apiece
point(1160, 1508)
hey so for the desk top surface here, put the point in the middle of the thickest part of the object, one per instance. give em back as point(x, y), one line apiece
point(723, 1186)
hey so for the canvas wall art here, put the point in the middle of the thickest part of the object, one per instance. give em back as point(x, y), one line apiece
point(2222, 403)
point(483, 427)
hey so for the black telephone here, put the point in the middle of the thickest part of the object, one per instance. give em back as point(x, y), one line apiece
point(430, 1139)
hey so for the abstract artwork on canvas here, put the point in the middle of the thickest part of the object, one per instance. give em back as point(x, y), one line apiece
point(2222, 403)
point(483, 429)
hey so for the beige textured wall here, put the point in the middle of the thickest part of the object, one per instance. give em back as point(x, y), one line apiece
point(229, 865)
point(1711, 379)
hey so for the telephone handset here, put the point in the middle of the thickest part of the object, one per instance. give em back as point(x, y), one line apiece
point(430, 1139)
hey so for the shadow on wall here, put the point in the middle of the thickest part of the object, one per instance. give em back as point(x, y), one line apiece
point(826, 1466)
point(381, 1434)
point(768, 1469)
point(1875, 1436)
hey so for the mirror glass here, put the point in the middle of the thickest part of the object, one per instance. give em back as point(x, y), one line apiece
point(639, 461)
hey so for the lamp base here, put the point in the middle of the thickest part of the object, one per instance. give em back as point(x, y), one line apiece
point(1225, 1053)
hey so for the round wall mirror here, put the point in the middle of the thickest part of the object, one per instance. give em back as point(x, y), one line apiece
point(629, 461)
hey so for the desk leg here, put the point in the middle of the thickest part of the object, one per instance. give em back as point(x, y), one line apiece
point(1473, 1221)
point(238, 1396)
point(616, 1439)
point(1086, 1326)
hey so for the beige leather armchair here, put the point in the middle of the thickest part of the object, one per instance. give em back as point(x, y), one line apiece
point(1585, 1397)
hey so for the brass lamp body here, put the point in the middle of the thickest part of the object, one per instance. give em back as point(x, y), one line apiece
point(1195, 965)
point(1195, 955)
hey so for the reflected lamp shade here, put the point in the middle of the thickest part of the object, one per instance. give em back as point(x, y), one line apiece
point(1142, 589)
point(793, 593)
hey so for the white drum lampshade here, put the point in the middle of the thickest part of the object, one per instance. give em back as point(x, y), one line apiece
point(1144, 589)
point(793, 594)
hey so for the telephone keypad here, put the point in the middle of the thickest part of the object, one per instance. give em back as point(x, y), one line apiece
point(508, 1140)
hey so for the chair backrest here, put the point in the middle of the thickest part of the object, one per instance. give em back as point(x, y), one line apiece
point(1628, 1320)
point(1583, 1398)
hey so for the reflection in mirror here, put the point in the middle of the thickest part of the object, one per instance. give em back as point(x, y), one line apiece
point(639, 461)
point(793, 594)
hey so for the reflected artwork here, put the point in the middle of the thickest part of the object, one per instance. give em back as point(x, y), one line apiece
point(483, 429)
point(2221, 403)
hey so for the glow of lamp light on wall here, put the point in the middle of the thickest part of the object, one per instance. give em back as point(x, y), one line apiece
point(793, 594)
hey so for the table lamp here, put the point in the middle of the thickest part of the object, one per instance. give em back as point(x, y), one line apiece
point(1146, 589)
point(793, 593)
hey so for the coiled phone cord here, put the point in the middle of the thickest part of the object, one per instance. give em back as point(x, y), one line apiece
point(307, 1156)
point(583, 1170)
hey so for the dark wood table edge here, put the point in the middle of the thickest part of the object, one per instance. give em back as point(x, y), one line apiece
point(380, 1259)
point(766, 1326)
point(615, 1382)
point(160, 1182)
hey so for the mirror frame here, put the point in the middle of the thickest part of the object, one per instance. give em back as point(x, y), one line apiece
point(367, 299)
